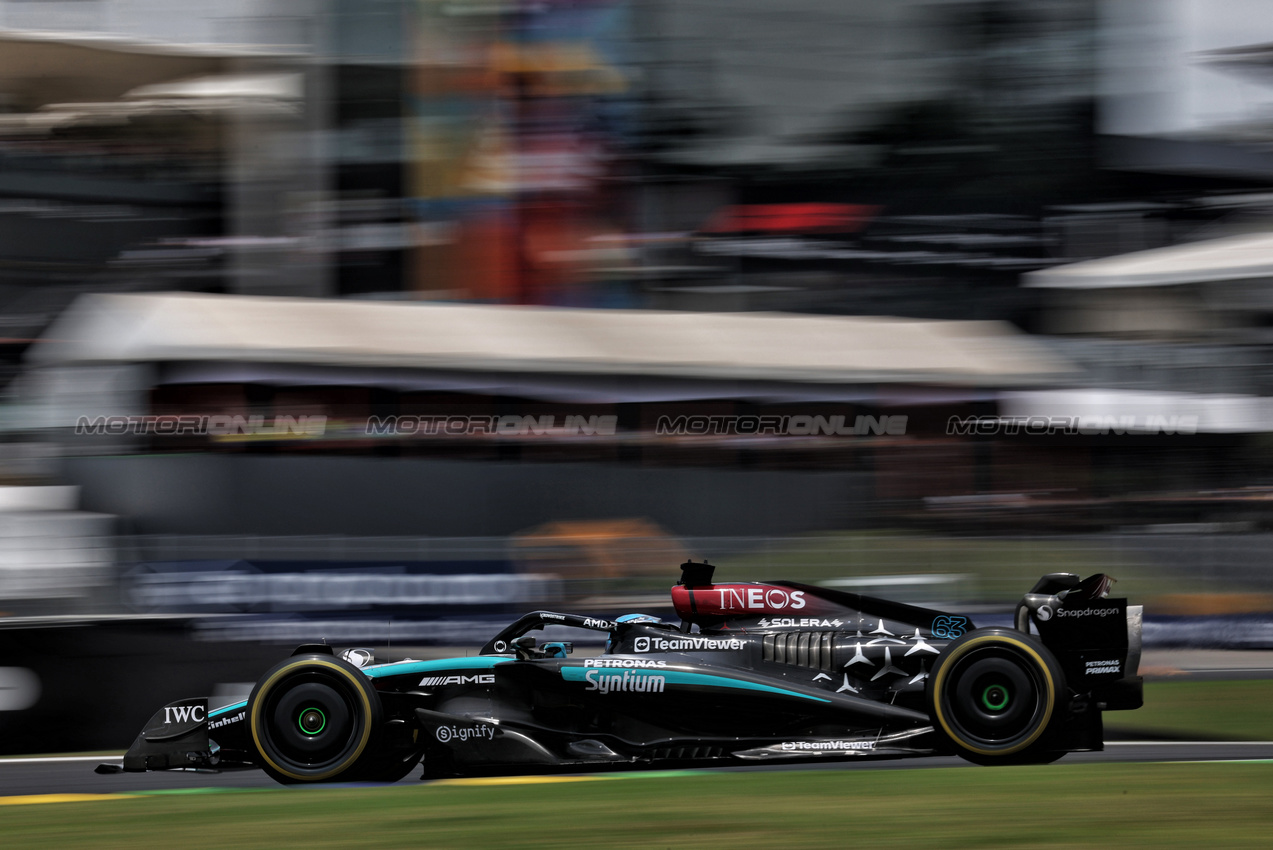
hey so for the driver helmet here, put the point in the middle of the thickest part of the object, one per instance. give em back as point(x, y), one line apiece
point(632, 618)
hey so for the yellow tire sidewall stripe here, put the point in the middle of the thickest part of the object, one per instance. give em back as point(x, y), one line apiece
point(964, 650)
point(260, 700)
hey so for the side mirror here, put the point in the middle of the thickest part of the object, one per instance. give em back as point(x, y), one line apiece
point(524, 646)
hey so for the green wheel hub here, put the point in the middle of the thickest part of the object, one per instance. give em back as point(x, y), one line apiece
point(995, 697)
point(312, 721)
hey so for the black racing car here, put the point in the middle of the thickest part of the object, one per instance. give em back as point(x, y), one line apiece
point(755, 672)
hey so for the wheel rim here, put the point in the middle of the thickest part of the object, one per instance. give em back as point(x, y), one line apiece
point(311, 723)
point(995, 700)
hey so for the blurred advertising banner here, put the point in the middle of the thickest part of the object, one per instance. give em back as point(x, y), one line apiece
point(424, 602)
point(240, 586)
point(515, 113)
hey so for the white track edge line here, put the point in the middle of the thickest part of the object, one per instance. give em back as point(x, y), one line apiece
point(1189, 743)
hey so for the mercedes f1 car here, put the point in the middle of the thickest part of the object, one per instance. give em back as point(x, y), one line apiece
point(754, 672)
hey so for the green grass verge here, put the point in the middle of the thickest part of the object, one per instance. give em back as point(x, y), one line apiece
point(1206, 710)
point(1150, 805)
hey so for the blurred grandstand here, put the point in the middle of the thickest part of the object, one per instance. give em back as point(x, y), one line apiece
point(455, 289)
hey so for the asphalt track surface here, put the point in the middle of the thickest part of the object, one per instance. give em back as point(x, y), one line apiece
point(74, 775)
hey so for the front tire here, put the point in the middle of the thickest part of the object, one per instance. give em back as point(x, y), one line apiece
point(314, 718)
point(995, 695)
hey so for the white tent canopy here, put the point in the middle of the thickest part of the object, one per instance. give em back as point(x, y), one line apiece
point(1245, 257)
point(121, 329)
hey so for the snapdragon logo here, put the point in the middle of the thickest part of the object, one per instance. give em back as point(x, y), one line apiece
point(1086, 612)
point(625, 682)
point(658, 644)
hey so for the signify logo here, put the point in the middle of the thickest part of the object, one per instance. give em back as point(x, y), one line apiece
point(625, 682)
point(464, 733)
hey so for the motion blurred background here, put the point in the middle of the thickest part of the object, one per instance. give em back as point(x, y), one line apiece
point(485, 305)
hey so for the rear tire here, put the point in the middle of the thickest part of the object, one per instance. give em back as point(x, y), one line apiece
point(314, 718)
point(995, 695)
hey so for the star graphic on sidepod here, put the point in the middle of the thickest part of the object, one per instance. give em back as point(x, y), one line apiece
point(888, 665)
point(859, 657)
point(880, 630)
point(921, 645)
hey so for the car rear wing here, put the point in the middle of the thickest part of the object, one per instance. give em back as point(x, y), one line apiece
point(1097, 639)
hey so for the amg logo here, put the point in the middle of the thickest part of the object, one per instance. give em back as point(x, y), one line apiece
point(439, 681)
point(226, 721)
point(627, 682)
point(184, 714)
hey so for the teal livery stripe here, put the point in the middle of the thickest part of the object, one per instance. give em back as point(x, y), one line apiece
point(400, 668)
point(653, 681)
point(225, 709)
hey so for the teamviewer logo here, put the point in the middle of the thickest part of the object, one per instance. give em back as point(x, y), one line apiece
point(642, 644)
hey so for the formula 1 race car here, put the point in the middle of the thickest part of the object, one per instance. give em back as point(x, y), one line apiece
point(755, 672)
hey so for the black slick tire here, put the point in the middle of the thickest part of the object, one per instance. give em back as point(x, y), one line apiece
point(314, 718)
point(996, 696)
